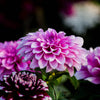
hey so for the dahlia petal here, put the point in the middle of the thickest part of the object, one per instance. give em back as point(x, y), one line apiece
point(28, 50)
point(53, 64)
point(28, 56)
point(61, 67)
point(57, 52)
point(61, 34)
point(70, 70)
point(38, 55)
point(2, 70)
point(46, 50)
point(37, 50)
point(49, 57)
point(97, 51)
point(35, 44)
point(34, 63)
point(64, 45)
point(96, 71)
point(22, 66)
point(10, 60)
point(42, 63)
point(69, 62)
point(95, 80)
point(2, 54)
point(70, 55)
point(7, 66)
point(60, 59)
point(20, 46)
point(44, 45)
point(48, 68)
point(65, 51)
point(22, 50)
point(81, 75)
point(77, 66)
point(27, 43)
point(79, 41)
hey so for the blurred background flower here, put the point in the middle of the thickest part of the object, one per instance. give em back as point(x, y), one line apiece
point(91, 71)
point(9, 60)
point(85, 15)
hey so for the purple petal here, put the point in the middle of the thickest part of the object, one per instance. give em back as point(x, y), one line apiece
point(28, 43)
point(79, 41)
point(2, 70)
point(97, 51)
point(28, 50)
point(48, 68)
point(42, 63)
point(28, 56)
point(81, 75)
point(35, 44)
point(38, 55)
point(47, 50)
point(61, 34)
point(95, 80)
point(60, 59)
point(34, 63)
point(70, 70)
point(22, 66)
point(71, 55)
point(69, 62)
point(61, 67)
point(95, 71)
point(57, 52)
point(7, 66)
point(65, 51)
point(22, 50)
point(37, 50)
point(53, 64)
point(49, 57)
point(3, 53)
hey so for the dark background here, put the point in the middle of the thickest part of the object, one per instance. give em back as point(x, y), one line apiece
point(18, 17)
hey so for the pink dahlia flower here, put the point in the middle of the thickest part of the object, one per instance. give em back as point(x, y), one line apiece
point(91, 71)
point(53, 50)
point(9, 60)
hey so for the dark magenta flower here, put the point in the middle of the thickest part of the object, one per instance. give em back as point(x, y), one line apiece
point(91, 71)
point(23, 85)
point(9, 60)
point(53, 50)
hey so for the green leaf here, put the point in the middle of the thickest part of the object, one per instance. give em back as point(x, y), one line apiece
point(52, 92)
point(74, 82)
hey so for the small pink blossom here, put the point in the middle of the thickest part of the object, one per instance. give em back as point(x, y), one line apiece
point(91, 71)
point(9, 60)
point(53, 50)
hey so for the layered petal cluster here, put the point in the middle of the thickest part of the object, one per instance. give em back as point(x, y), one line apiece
point(9, 60)
point(53, 50)
point(91, 71)
point(23, 85)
